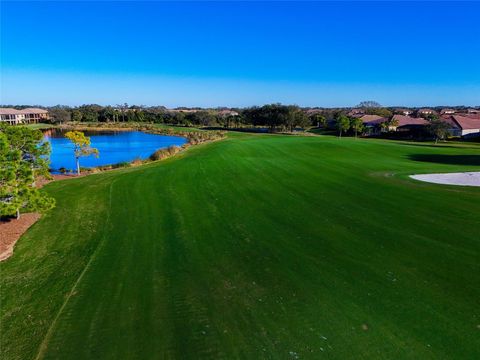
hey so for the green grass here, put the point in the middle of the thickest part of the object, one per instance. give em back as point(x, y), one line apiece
point(256, 246)
point(40, 126)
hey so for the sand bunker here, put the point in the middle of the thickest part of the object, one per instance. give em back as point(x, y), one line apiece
point(465, 178)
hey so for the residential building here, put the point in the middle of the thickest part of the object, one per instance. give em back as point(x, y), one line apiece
point(25, 116)
point(356, 113)
point(447, 111)
point(405, 112)
point(462, 125)
point(373, 123)
point(11, 116)
point(425, 111)
point(407, 123)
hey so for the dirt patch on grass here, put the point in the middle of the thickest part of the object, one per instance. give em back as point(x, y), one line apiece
point(11, 230)
point(41, 182)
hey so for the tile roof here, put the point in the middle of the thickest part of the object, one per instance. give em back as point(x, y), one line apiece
point(9, 111)
point(372, 119)
point(467, 122)
point(33, 111)
point(407, 120)
point(449, 120)
point(471, 115)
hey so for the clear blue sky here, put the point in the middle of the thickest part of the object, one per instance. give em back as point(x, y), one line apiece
point(240, 53)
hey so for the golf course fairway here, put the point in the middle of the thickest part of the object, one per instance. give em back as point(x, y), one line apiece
point(254, 247)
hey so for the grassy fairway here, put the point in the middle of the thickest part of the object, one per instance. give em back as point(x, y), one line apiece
point(253, 247)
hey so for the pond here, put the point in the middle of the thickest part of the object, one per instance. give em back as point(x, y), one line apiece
point(114, 147)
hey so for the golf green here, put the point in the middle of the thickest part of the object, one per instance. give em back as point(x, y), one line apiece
point(254, 247)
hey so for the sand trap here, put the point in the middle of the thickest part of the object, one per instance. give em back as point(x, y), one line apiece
point(465, 179)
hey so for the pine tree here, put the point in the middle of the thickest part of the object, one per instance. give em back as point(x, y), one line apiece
point(23, 158)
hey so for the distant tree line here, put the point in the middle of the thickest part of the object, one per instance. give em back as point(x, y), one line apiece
point(276, 117)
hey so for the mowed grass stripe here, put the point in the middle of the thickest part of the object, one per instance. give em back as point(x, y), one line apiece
point(255, 247)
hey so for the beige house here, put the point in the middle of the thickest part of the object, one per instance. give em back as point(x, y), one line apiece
point(426, 112)
point(24, 116)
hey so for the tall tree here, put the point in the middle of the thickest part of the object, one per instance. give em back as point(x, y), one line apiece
point(357, 125)
point(59, 114)
point(22, 159)
point(439, 129)
point(318, 120)
point(81, 146)
point(342, 124)
point(33, 149)
point(76, 115)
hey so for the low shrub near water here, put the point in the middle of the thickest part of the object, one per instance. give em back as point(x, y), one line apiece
point(164, 153)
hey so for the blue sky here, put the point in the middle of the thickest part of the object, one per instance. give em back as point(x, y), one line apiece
point(240, 53)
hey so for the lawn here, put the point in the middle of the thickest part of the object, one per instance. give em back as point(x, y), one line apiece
point(40, 126)
point(254, 247)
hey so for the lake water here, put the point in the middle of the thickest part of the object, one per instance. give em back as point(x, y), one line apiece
point(114, 147)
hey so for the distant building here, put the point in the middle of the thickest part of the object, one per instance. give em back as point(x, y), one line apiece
point(372, 123)
point(24, 116)
point(356, 113)
point(405, 112)
point(426, 111)
point(473, 111)
point(407, 123)
point(447, 111)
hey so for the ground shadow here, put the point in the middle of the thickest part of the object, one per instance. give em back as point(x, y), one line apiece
point(447, 159)
point(437, 146)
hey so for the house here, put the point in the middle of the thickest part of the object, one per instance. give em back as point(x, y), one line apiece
point(473, 111)
point(447, 111)
point(356, 113)
point(372, 119)
point(24, 116)
point(373, 123)
point(454, 129)
point(11, 116)
point(426, 111)
point(407, 123)
point(34, 115)
point(405, 112)
point(467, 126)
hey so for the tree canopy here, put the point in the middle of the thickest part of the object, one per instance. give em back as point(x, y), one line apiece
point(23, 158)
point(81, 146)
point(438, 129)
